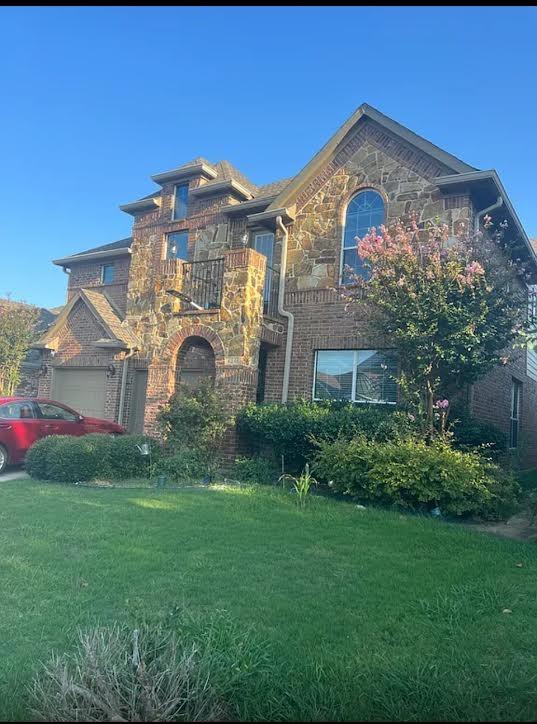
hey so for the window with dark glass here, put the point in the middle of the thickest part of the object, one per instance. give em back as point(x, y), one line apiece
point(364, 211)
point(363, 375)
point(516, 394)
point(108, 273)
point(177, 245)
point(180, 202)
point(264, 244)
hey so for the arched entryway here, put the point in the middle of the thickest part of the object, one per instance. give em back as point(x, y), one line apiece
point(195, 363)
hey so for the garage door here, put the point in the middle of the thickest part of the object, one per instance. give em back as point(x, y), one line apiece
point(81, 389)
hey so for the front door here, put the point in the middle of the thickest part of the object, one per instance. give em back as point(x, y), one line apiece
point(137, 411)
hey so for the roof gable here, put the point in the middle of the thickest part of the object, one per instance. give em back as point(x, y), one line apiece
point(341, 138)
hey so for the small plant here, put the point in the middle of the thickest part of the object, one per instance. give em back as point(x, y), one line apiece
point(301, 484)
point(258, 470)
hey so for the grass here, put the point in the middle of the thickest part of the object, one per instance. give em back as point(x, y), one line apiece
point(367, 614)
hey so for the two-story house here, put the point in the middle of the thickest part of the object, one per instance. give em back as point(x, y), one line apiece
point(239, 283)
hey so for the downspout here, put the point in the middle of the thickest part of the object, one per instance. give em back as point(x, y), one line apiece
point(124, 385)
point(480, 214)
point(283, 312)
point(478, 217)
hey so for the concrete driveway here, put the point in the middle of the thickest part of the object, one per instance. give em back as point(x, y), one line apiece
point(13, 474)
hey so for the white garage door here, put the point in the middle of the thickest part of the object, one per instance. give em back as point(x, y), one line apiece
point(81, 389)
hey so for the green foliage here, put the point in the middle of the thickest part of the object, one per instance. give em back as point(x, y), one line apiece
point(258, 470)
point(69, 459)
point(17, 330)
point(451, 307)
point(183, 465)
point(414, 475)
point(472, 434)
point(290, 430)
point(38, 456)
point(301, 484)
point(194, 418)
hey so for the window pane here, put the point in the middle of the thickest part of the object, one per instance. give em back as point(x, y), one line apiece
point(17, 411)
point(109, 272)
point(333, 377)
point(264, 244)
point(177, 245)
point(364, 211)
point(54, 412)
point(180, 201)
point(357, 267)
point(376, 376)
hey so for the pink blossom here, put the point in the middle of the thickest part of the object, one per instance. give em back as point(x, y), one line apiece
point(442, 404)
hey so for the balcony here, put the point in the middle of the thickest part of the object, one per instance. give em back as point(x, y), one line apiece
point(203, 282)
point(270, 293)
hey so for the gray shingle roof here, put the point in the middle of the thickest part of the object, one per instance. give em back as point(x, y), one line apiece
point(108, 247)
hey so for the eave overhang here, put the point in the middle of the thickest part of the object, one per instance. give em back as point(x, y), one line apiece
point(68, 261)
point(219, 187)
point(140, 206)
point(185, 172)
point(268, 218)
point(248, 206)
point(485, 187)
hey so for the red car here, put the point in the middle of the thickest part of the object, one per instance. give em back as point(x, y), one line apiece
point(23, 421)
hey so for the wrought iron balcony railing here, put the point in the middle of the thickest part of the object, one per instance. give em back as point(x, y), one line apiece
point(203, 282)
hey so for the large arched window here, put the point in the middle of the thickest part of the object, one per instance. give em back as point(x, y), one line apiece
point(365, 210)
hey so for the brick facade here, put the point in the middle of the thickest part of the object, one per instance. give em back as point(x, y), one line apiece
point(369, 157)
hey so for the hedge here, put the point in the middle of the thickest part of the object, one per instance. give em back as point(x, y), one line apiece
point(69, 459)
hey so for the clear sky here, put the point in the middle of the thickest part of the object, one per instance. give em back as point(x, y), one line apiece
point(95, 100)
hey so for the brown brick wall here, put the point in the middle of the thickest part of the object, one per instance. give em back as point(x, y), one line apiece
point(88, 275)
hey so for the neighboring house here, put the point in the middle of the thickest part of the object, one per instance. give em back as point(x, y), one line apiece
point(237, 282)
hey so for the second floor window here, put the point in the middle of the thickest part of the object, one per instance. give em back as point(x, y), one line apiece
point(108, 273)
point(514, 428)
point(365, 210)
point(264, 244)
point(177, 245)
point(180, 202)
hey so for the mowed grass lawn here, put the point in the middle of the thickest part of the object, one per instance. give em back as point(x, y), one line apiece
point(367, 614)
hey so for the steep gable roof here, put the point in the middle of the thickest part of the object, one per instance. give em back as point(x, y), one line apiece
point(118, 332)
point(288, 195)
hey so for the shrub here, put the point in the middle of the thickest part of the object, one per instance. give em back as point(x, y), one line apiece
point(411, 474)
point(194, 418)
point(184, 465)
point(290, 429)
point(472, 434)
point(195, 671)
point(258, 470)
point(76, 459)
point(38, 456)
point(69, 459)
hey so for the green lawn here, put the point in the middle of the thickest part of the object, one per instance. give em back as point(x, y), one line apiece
point(368, 614)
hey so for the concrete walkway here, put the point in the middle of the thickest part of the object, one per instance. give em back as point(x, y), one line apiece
point(14, 474)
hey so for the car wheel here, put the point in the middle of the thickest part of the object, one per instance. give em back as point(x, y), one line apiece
point(3, 459)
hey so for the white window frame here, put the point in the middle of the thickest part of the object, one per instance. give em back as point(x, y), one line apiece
point(516, 388)
point(344, 226)
point(354, 376)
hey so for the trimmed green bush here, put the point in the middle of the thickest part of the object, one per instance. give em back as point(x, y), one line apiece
point(290, 429)
point(69, 459)
point(258, 470)
point(411, 474)
point(184, 466)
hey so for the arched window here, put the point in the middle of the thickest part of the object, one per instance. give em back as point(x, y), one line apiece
point(365, 210)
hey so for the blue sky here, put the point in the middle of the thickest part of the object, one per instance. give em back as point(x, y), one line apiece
point(95, 100)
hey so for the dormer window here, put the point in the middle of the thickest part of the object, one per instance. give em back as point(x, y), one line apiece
point(108, 273)
point(177, 245)
point(180, 201)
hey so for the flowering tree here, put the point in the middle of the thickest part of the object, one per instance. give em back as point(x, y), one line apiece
point(449, 306)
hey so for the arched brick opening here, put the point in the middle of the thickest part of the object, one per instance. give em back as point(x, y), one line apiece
point(195, 363)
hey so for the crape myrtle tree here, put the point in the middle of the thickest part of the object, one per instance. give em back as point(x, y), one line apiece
point(17, 331)
point(450, 305)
